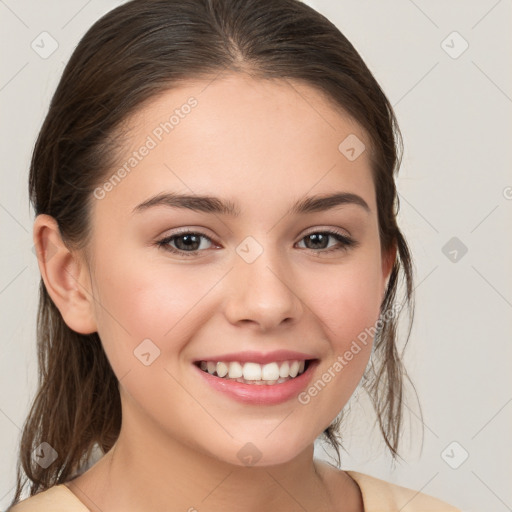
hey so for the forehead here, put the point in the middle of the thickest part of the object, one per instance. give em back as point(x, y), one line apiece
point(241, 136)
point(227, 103)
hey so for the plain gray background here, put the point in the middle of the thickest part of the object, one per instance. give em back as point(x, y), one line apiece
point(445, 67)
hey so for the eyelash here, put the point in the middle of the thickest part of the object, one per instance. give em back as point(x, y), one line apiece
point(346, 242)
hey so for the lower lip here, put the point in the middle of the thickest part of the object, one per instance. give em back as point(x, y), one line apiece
point(260, 394)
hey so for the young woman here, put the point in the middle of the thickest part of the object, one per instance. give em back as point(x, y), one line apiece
point(217, 239)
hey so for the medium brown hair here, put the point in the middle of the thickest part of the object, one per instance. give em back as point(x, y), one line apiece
point(129, 56)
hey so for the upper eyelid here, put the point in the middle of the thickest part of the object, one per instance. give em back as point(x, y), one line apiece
point(330, 231)
point(202, 230)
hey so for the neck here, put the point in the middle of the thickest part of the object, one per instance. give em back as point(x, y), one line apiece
point(149, 476)
point(148, 470)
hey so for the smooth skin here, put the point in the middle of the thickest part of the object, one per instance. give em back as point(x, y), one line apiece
point(261, 144)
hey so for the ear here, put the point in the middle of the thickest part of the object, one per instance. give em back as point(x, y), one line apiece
point(65, 276)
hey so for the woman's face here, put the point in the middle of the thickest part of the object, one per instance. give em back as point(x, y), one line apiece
point(265, 286)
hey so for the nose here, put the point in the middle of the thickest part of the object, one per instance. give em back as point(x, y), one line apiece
point(263, 293)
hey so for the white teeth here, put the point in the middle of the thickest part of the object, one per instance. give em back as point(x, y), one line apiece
point(284, 370)
point(294, 369)
point(254, 373)
point(270, 372)
point(235, 370)
point(222, 369)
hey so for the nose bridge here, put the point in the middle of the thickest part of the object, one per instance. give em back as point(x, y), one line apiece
point(262, 286)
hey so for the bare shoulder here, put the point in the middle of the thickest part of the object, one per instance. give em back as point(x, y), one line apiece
point(55, 499)
point(378, 492)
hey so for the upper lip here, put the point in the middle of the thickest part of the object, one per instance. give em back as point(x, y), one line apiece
point(259, 357)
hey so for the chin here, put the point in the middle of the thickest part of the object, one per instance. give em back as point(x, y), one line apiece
point(263, 452)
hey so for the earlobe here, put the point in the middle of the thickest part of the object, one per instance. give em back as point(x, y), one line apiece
point(65, 276)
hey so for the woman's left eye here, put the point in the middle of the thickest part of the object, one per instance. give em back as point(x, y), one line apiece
point(189, 243)
point(184, 241)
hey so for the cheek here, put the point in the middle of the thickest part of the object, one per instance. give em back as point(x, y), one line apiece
point(346, 303)
point(159, 303)
point(346, 299)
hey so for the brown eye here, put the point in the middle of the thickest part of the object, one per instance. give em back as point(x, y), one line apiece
point(187, 243)
point(319, 240)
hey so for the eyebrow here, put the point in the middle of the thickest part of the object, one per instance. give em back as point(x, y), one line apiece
point(210, 204)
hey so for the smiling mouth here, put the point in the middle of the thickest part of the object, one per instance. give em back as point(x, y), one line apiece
point(254, 373)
